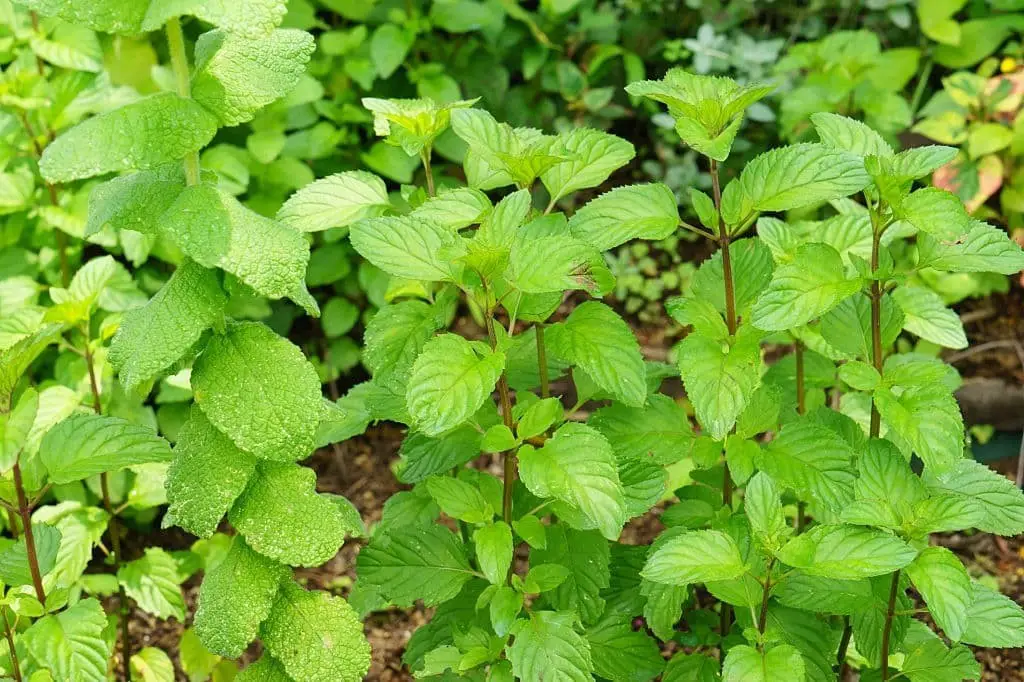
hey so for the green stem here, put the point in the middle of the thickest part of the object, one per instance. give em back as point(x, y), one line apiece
point(428, 171)
point(505, 400)
point(762, 621)
point(801, 408)
point(894, 589)
point(876, 325)
point(542, 362)
point(922, 83)
point(179, 63)
point(15, 665)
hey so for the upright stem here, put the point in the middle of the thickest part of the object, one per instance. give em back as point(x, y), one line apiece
point(894, 589)
point(428, 171)
point(730, 319)
point(179, 63)
point(762, 620)
point(505, 400)
point(114, 527)
point(801, 408)
point(876, 327)
point(15, 665)
point(62, 239)
point(25, 511)
point(542, 362)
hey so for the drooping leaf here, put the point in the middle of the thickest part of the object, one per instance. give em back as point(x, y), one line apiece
point(152, 581)
point(594, 156)
point(335, 201)
point(408, 247)
point(83, 445)
point(943, 582)
point(625, 213)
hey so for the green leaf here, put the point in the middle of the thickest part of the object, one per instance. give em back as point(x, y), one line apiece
point(388, 48)
point(918, 162)
point(266, 255)
point(14, 560)
point(660, 430)
point(207, 475)
point(719, 377)
point(811, 285)
point(335, 201)
point(814, 461)
point(264, 670)
point(943, 582)
point(625, 213)
point(494, 550)
point(500, 154)
point(764, 509)
point(541, 265)
point(936, 212)
point(253, 18)
point(695, 557)
point(587, 556)
point(749, 256)
point(449, 382)
point(988, 138)
point(152, 338)
point(860, 375)
point(847, 327)
point(685, 667)
point(316, 636)
point(396, 335)
point(622, 654)
point(577, 467)
point(152, 665)
point(498, 438)
point(455, 208)
point(235, 597)
point(459, 499)
point(144, 134)
point(846, 552)
point(423, 456)
point(850, 135)
point(547, 647)
point(281, 516)
point(235, 76)
point(937, 20)
point(153, 582)
point(820, 594)
point(791, 177)
point(886, 490)
point(72, 644)
point(412, 124)
point(409, 247)
point(746, 664)
point(237, 382)
point(928, 659)
point(993, 620)
point(999, 500)
point(929, 419)
point(19, 355)
point(984, 249)
point(594, 156)
point(539, 417)
point(409, 563)
point(598, 341)
point(135, 201)
point(16, 426)
point(196, 660)
point(83, 445)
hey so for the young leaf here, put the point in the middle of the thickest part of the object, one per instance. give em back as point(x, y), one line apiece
point(811, 285)
point(577, 467)
point(846, 552)
point(695, 557)
point(456, 208)
point(746, 664)
point(929, 419)
point(409, 563)
point(236, 76)
point(152, 665)
point(936, 212)
point(72, 644)
point(764, 509)
point(850, 135)
point(144, 134)
point(207, 475)
point(83, 445)
point(494, 550)
point(235, 597)
point(625, 213)
point(943, 582)
point(847, 327)
point(281, 516)
point(151, 338)
point(335, 201)
point(316, 636)
point(548, 647)
point(595, 155)
point(408, 247)
point(459, 499)
point(749, 256)
point(449, 382)
point(153, 582)
point(237, 380)
point(598, 341)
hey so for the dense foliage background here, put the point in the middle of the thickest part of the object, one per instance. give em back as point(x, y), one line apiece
point(117, 570)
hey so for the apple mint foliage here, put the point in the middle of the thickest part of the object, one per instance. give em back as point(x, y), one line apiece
point(257, 406)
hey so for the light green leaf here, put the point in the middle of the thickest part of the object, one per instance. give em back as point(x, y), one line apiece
point(594, 156)
point(808, 287)
point(207, 475)
point(237, 595)
point(151, 338)
point(993, 620)
point(928, 317)
point(264, 670)
point(81, 529)
point(408, 247)
point(695, 557)
point(494, 551)
point(999, 500)
point(335, 201)
point(135, 201)
point(850, 135)
point(15, 427)
point(587, 557)
point(144, 134)
point(409, 563)
point(412, 124)
point(14, 561)
point(625, 213)
point(396, 335)
point(847, 327)
point(621, 653)
point(543, 265)
point(943, 582)
point(153, 582)
point(720, 377)
point(918, 162)
point(456, 208)
point(661, 430)
point(929, 418)
point(547, 647)
point(749, 256)
point(459, 499)
point(316, 636)
point(253, 18)
point(539, 417)
point(860, 375)
point(449, 382)
point(71, 644)
point(746, 664)
point(577, 467)
point(388, 48)
point(281, 516)
point(87, 444)
point(936, 212)
point(846, 552)
point(152, 665)
point(764, 509)
point(984, 249)
point(598, 341)
point(237, 382)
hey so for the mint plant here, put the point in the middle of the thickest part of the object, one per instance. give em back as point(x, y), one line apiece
point(258, 404)
point(809, 602)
